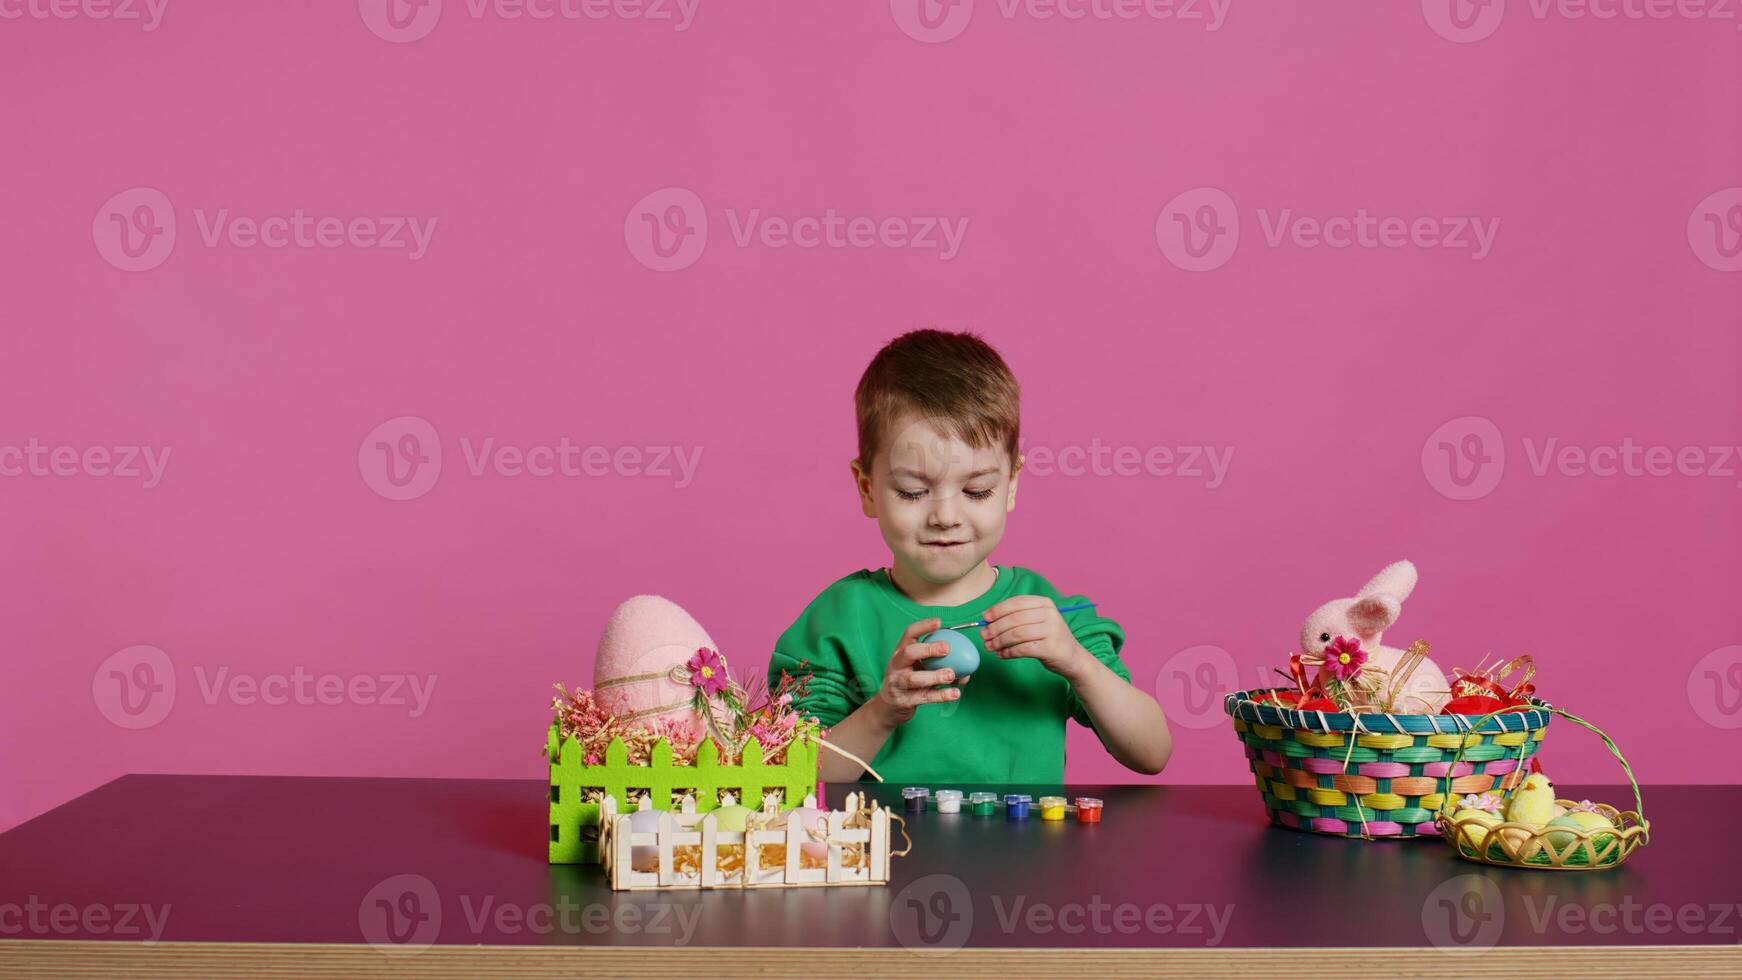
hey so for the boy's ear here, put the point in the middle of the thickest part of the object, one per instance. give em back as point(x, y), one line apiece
point(862, 483)
point(1015, 471)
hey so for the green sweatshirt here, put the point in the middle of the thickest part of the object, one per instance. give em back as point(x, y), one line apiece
point(1009, 724)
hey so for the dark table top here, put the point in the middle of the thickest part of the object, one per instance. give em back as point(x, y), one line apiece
point(463, 861)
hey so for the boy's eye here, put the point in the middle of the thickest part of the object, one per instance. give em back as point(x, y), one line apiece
point(978, 494)
point(910, 494)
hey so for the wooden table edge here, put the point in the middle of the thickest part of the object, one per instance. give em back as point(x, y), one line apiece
point(60, 957)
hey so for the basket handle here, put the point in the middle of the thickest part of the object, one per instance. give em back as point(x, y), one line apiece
point(1638, 802)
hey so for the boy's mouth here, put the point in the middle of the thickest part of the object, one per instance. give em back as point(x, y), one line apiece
point(945, 545)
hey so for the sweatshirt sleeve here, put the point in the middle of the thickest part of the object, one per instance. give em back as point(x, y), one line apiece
point(1103, 638)
point(816, 644)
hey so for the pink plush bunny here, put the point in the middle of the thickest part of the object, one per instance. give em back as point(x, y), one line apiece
point(1363, 618)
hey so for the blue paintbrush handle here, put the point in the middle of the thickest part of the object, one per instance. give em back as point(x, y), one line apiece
point(1079, 607)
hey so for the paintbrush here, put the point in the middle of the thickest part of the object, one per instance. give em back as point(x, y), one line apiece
point(1079, 607)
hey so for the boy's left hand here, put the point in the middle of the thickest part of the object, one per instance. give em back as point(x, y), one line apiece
point(1031, 626)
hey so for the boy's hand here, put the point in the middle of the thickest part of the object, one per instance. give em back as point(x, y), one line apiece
point(1031, 626)
point(905, 687)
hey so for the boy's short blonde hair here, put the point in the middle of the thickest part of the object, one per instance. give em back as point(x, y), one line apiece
point(955, 380)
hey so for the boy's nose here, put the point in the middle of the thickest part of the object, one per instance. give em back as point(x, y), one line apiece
point(944, 516)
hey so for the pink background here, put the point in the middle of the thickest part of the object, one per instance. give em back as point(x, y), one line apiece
point(265, 548)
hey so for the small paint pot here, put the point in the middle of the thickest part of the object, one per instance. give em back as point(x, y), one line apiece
point(1088, 810)
point(949, 800)
point(1051, 807)
point(916, 798)
point(983, 803)
point(1016, 805)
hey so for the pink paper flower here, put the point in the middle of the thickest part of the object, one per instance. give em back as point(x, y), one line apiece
point(708, 672)
point(1344, 658)
point(1486, 801)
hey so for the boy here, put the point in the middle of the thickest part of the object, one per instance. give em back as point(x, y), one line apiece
point(939, 418)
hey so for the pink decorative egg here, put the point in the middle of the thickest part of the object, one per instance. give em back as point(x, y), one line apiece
point(645, 638)
point(818, 820)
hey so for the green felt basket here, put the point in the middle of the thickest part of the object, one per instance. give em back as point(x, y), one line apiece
point(576, 789)
point(1374, 776)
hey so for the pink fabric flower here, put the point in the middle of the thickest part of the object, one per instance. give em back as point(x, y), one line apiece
point(707, 672)
point(1344, 658)
point(1486, 801)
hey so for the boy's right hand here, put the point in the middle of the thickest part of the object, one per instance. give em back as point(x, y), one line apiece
point(905, 686)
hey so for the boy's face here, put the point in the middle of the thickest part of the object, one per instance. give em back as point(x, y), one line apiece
point(939, 502)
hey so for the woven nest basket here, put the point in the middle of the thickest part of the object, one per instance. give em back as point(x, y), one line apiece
point(1521, 845)
point(1376, 775)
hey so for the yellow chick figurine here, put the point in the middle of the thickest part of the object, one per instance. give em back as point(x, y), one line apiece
point(1532, 802)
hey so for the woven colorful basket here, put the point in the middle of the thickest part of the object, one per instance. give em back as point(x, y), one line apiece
point(1373, 776)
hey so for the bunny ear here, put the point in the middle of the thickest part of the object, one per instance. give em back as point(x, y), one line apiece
point(1373, 613)
point(1396, 580)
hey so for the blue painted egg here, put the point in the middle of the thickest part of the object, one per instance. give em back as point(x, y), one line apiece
point(963, 658)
